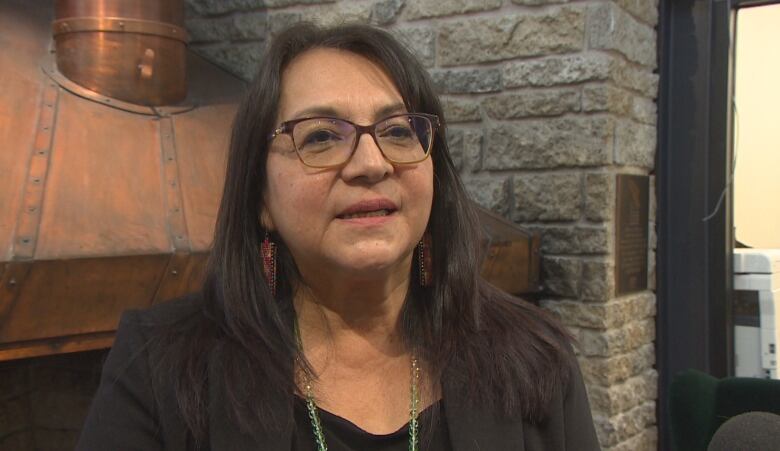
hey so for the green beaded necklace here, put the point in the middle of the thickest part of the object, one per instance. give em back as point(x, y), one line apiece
point(314, 417)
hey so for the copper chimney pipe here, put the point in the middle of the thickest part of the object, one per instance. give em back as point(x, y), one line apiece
point(130, 50)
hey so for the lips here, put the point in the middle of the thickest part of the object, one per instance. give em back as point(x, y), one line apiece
point(368, 214)
point(368, 209)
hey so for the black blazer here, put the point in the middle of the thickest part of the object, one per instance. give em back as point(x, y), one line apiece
point(125, 416)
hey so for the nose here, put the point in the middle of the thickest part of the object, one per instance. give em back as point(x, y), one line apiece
point(367, 162)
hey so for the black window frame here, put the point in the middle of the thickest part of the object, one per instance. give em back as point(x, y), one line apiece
point(694, 324)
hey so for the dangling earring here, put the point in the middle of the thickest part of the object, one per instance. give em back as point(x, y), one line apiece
point(425, 260)
point(268, 252)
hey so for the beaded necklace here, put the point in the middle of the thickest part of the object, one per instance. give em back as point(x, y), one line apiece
point(314, 417)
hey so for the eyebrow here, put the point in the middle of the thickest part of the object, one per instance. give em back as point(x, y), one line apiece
point(326, 110)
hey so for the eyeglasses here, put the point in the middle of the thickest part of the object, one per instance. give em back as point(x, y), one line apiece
point(323, 142)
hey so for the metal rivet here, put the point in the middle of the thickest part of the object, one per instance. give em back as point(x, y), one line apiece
point(174, 272)
point(41, 152)
point(31, 209)
point(36, 180)
point(25, 240)
point(12, 282)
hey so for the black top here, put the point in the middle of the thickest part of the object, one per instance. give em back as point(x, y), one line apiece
point(133, 410)
point(343, 435)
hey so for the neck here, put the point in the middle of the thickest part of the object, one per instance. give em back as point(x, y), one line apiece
point(355, 321)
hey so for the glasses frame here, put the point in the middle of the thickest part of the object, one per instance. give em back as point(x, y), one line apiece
point(286, 128)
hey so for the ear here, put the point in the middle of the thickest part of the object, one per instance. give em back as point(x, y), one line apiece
point(266, 221)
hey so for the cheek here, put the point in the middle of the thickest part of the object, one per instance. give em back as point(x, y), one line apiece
point(427, 181)
point(429, 185)
point(421, 192)
point(293, 200)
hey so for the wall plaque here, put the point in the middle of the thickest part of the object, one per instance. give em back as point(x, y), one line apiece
point(631, 227)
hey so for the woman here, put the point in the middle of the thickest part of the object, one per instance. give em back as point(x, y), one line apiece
point(343, 308)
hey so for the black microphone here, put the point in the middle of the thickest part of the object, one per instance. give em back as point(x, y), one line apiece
point(752, 431)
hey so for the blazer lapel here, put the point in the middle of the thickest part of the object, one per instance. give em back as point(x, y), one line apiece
point(225, 434)
point(475, 429)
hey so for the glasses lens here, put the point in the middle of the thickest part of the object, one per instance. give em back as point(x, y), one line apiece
point(324, 142)
point(406, 138)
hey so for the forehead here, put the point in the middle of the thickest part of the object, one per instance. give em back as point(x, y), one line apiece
point(347, 83)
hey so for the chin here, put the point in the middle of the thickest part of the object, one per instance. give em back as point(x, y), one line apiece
point(373, 264)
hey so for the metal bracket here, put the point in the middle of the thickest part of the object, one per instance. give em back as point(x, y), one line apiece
point(29, 218)
point(177, 223)
point(174, 204)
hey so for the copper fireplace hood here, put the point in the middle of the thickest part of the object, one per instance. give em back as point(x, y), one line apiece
point(111, 171)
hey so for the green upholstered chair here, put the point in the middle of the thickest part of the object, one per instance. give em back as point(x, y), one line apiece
point(700, 403)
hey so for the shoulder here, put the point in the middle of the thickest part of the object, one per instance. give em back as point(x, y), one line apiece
point(567, 416)
point(526, 330)
point(521, 319)
point(564, 415)
point(133, 408)
point(517, 360)
point(158, 323)
point(166, 338)
point(569, 413)
point(143, 334)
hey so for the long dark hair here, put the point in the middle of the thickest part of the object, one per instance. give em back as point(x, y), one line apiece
point(511, 355)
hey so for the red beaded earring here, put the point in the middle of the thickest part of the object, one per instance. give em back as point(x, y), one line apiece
point(425, 260)
point(268, 252)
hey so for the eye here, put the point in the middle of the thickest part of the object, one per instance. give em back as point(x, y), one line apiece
point(320, 137)
point(397, 131)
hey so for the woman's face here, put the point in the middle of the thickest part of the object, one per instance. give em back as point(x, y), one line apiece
point(310, 207)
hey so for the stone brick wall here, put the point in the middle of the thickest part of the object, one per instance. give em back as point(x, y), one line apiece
point(547, 100)
point(43, 401)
